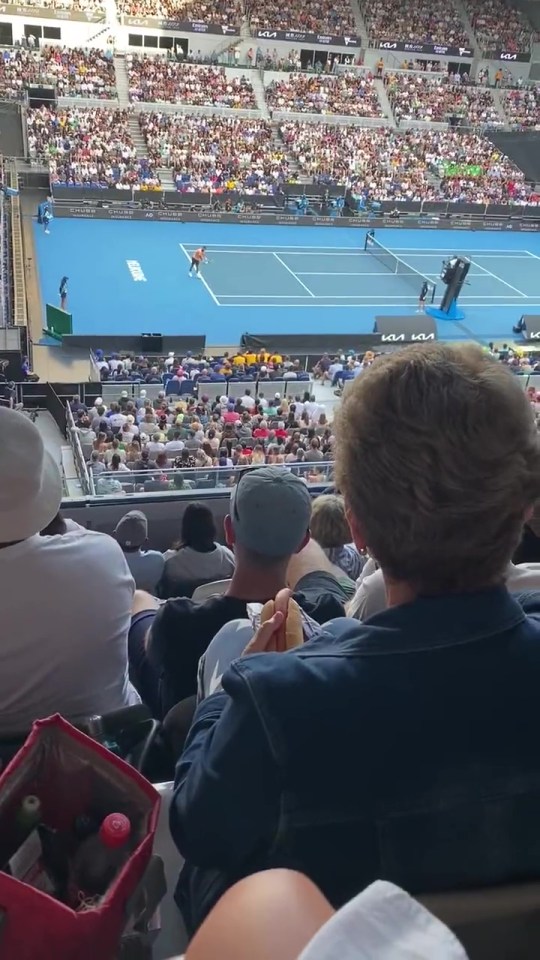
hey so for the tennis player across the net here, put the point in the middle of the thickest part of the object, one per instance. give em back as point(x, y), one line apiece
point(398, 266)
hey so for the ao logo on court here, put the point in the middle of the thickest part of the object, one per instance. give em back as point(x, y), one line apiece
point(136, 271)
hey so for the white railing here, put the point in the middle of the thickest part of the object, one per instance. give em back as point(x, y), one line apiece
point(206, 111)
point(330, 118)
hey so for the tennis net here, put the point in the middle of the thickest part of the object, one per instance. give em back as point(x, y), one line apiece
point(399, 267)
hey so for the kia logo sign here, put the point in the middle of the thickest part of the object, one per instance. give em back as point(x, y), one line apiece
point(508, 56)
point(267, 34)
point(388, 46)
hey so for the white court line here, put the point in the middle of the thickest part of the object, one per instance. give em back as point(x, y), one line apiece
point(508, 301)
point(292, 273)
point(349, 306)
point(263, 296)
point(214, 298)
point(500, 280)
point(354, 250)
point(535, 255)
point(365, 273)
point(483, 250)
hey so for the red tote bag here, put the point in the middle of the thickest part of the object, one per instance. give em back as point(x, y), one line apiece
point(71, 774)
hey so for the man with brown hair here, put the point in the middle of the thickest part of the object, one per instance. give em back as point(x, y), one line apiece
point(403, 748)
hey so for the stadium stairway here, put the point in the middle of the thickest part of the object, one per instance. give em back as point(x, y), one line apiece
point(498, 102)
point(460, 6)
point(258, 90)
point(361, 28)
point(122, 82)
point(294, 166)
point(385, 103)
point(122, 86)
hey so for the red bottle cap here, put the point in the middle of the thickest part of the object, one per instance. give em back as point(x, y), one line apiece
point(115, 830)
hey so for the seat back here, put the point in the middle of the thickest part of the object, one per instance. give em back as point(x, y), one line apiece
point(213, 589)
point(497, 923)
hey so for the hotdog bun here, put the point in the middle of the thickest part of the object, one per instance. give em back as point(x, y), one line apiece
point(294, 629)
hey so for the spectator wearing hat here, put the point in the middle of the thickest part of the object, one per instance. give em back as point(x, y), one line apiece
point(423, 719)
point(268, 523)
point(57, 654)
point(146, 566)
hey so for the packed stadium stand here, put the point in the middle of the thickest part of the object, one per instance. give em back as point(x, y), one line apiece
point(75, 73)
point(222, 12)
point(522, 107)
point(219, 152)
point(157, 80)
point(499, 25)
point(348, 95)
point(315, 17)
point(437, 98)
point(423, 22)
point(87, 147)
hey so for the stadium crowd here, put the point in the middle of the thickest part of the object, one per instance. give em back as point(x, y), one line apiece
point(316, 17)
point(522, 107)
point(84, 6)
point(160, 80)
point(426, 21)
point(219, 152)
point(423, 97)
point(74, 72)
point(173, 443)
point(220, 12)
point(90, 147)
point(347, 95)
point(499, 25)
point(256, 723)
point(384, 164)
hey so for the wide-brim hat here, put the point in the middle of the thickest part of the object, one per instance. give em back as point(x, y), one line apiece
point(30, 479)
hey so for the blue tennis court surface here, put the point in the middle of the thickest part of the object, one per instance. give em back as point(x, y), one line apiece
point(132, 277)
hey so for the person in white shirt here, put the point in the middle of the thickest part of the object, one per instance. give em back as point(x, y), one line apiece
point(114, 363)
point(155, 446)
point(335, 367)
point(116, 418)
point(174, 446)
point(370, 596)
point(313, 409)
point(61, 651)
point(98, 406)
point(169, 361)
point(248, 401)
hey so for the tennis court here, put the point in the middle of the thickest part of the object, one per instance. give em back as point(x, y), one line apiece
point(128, 277)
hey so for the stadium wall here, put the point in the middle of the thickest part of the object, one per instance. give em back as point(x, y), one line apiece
point(428, 222)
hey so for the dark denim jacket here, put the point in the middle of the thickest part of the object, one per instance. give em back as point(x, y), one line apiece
point(405, 748)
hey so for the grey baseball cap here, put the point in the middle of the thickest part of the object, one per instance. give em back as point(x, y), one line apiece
point(132, 529)
point(270, 511)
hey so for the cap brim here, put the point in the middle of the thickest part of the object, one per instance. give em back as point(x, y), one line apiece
point(38, 513)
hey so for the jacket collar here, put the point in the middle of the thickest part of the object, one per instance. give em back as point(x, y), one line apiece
point(431, 622)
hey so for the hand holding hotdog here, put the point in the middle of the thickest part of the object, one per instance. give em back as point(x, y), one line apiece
point(281, 626)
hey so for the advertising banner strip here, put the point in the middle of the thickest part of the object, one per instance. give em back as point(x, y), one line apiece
point(182, 26)
point(299, 36)
point(462, 170)
point(507, 55)
point(431, 49)
point(86, 212)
